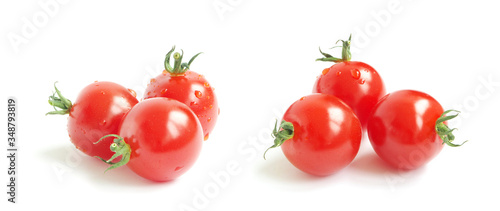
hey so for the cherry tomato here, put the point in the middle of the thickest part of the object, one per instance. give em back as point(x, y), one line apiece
point(358, 84)
point(159, 139)
point(187, 87)
point(319, 134)
point(97, 111)
point(407, 129)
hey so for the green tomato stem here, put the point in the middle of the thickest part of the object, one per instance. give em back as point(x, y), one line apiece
point(179, 68)
point(60, 102)
point(120, 148)
point(346, 52)
point(285, 132)
point(444, 132)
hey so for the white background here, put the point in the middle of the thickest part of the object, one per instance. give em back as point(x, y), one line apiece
point(260, 57)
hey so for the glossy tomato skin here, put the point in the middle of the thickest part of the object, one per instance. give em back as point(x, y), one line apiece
point(165, 138)
point(327, 134)
point(191, 89)
point(98, 111)
point(356, 83)
point(402, 129)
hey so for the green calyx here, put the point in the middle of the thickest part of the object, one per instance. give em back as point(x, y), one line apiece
point(179, 68)
point(60, 102)
point(120, 148)
point(346, 52)
point(282, 134)
point(444, 132)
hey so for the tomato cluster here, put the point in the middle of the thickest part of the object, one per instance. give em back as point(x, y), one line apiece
point(158, 138)
point(321, 133)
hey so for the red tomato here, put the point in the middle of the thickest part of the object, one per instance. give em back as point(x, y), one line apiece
point(319, 134)
point(189, 88)
point(356, 83)
point(97, 111)
point(159, 139)
point(405, 128)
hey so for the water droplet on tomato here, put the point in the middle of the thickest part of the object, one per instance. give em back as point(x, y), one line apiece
point(198, 94)
point(132, 92)
point(338, 73)
point(152, 80)
point(302, 98)
point(149, 93)
point(206, 137)
point(178, 168)
point(325, 71)
point(362, 81)
point(193, 103)
point(81, 149)
point(208, 97)
point(103, 122)
point(209, 119)
point(163, 91)
point(210, 106)
point(206, 84)
point(355, 73)
point(204, 108)
point(103, 93)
